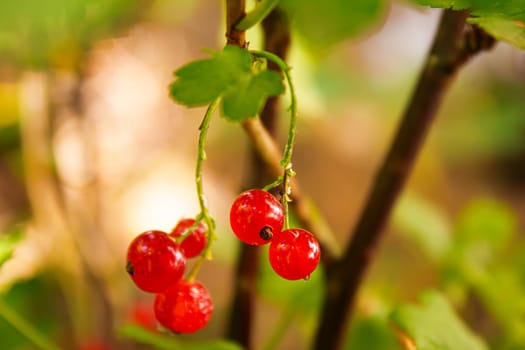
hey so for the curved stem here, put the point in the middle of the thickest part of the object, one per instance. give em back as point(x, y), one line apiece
point(25, 328)
point(204, 214)
point(286, 161)
point(288, 150)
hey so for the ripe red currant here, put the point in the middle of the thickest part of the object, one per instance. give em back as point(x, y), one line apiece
point(255, 216)
point(184, 307)
point(294, 253)
point(195, 242)
point(155, 261)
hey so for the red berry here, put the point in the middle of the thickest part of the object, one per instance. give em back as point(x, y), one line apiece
point(195, 242)
point(184, 307)
point(155, 261)
point(255, 216)
point(294, 254)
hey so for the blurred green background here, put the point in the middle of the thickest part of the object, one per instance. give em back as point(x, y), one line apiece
point(93, 152)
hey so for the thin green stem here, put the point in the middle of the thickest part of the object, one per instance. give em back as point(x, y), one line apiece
point(286, 161)
point(261, 10)
point(25, 328)
point(287, 155)
point(204, 215)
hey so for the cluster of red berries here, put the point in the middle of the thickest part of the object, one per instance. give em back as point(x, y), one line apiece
point(257, 218)
point(156, 262)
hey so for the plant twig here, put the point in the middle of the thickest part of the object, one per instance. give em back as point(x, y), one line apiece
point(245, 280)
point(453, 45)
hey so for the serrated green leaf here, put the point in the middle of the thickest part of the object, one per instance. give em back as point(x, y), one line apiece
point(166, 342)
point(247, 98)
point(202, 81)
point(8, 244)
point(434, 325)
point(335, 20)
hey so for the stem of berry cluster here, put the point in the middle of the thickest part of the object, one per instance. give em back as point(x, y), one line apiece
point(204, 214)
point(286, 161)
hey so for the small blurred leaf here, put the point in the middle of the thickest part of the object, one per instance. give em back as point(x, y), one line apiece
point(435, 326)
point(486, 221)
point(248, 97)
point(38, 33)
point(165, 342)
point(424, 223)
point(325, 23)
point(501, 292)
point(371, 333)
point(8, 244)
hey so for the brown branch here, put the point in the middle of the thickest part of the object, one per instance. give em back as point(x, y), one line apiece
point(235, 11)
point(453, 45)
point(245, 278)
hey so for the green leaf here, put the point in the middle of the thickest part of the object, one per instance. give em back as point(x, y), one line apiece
point(202, 81)
point(423, 223)
point(243, 84)
point(505, 20)
point(435, 326)
point(371, 333)
point(248, 97)
point(39, 33)
point(165, 342)
point(486, 221)
point(8, 244)
point(323, 24)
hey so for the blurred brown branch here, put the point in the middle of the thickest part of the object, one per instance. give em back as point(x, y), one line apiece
point(454, 43)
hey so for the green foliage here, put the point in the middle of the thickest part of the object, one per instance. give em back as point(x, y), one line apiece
point(424, 224)
point(486, 221)
point(39, 313)
point(435, 326)
point(482, 261)
point(371, 333)
point(166, 342)
point(335, 20)
point(232, 74)
point(483, 229)
point(505, 20)
point(35, 33)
